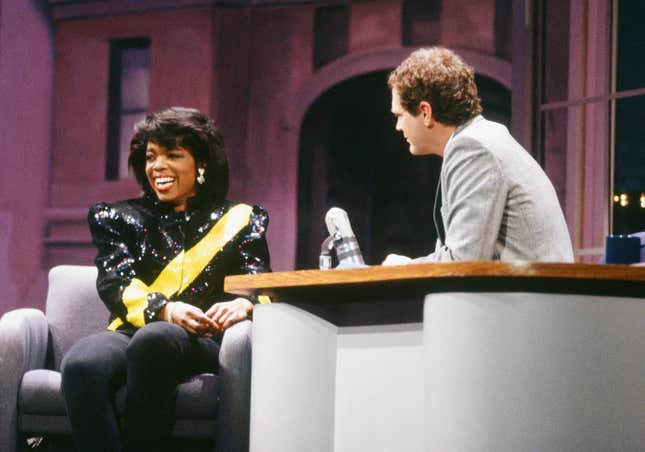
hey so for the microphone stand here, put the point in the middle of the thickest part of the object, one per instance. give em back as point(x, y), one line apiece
point(324, 261)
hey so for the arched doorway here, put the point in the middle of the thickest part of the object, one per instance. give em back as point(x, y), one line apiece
point(350, 156)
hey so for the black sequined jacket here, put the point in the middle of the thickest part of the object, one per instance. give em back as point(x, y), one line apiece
point(148, 254)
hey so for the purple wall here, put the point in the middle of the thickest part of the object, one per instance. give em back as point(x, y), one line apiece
point(250, 68)
point(26, 74)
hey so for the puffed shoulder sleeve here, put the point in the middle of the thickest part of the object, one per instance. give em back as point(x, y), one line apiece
point(116, 272)
point(114, 259)
point(253, 249)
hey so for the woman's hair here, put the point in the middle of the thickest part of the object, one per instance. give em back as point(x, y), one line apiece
point(441, 78)
point(187, 128)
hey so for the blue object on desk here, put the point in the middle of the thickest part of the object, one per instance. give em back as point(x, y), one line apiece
point(622, 249)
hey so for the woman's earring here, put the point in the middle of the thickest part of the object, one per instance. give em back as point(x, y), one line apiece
point(200, 176)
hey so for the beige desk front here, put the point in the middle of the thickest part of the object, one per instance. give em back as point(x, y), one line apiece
point(463, 357)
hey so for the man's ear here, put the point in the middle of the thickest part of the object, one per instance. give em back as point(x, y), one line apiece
point(425, 109)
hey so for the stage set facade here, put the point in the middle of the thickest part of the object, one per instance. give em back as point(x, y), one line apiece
point(299, 91)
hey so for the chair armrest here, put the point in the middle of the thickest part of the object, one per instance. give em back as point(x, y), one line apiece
point(23, 346)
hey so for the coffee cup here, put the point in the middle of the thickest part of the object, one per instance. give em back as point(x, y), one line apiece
point(622, 249)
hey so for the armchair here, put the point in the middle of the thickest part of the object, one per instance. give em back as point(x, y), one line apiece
point(33, 343)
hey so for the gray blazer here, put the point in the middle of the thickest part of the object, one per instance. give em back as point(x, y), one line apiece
point(498, 204)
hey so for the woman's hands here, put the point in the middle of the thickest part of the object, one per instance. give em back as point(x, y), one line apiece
point(190, 318)
point(227, 313)
point(219, 317)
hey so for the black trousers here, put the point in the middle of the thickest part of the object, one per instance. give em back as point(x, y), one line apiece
point(150, 364)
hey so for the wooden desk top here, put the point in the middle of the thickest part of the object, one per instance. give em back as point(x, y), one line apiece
point(414, 280)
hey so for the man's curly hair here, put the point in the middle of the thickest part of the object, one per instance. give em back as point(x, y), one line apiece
point(441, 78)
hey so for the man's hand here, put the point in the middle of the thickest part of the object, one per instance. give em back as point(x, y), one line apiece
point(396, 259)
point(190, 318)
point(227, 313)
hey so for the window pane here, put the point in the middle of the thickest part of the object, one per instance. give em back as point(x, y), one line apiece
point(556, 51)
point(503, 28)
point(331, 34)
point(629, 165)
point(630, 144)
point(128, 100)
point(135, 64)
point(630, 70)
point(421, 22)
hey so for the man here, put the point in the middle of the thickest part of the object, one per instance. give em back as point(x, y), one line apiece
point(497, 203)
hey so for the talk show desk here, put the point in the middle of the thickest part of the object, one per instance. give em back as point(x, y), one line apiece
point(473, 356)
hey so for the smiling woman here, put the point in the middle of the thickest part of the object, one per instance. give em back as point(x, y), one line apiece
point(171, 174)
point(161, 261)
point(173, 138)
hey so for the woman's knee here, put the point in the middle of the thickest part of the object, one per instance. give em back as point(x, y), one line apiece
point(76, 368)
point(157, 339)
point(94, 359)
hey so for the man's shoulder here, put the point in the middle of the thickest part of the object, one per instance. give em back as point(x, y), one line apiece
point(483, 136)
point(480, 129)
point(473, 137)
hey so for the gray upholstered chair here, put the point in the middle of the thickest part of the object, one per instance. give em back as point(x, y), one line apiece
point(33, 343)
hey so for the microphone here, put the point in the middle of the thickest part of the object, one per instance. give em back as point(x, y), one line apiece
point(342, 239)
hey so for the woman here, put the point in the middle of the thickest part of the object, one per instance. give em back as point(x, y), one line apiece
point(162, 259)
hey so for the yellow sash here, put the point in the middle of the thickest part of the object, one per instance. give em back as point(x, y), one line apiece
point(182, 270)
